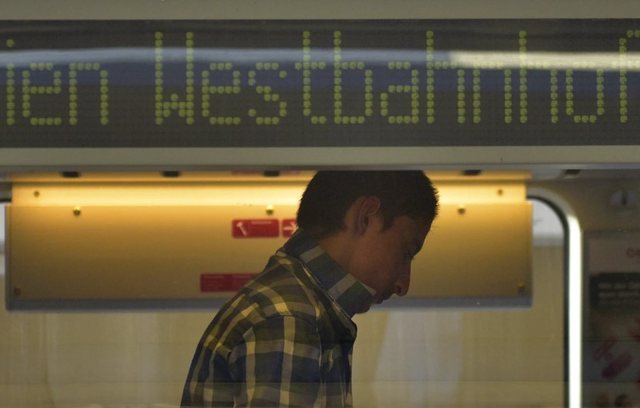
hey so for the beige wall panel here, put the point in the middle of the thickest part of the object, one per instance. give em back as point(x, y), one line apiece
point(138, 252)
point(479, 250)
point(129, 253)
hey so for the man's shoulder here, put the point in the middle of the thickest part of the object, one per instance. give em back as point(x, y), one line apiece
point(283, 288)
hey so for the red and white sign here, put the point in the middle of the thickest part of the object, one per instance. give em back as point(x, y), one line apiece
point(223, 282)
point(289, 226)
point(255, 228)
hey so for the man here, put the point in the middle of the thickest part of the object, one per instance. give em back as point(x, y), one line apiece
point(286, 339)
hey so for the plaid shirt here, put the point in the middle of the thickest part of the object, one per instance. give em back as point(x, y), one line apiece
point(286, 338)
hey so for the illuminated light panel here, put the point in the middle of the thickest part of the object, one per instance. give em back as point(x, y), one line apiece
point(156, 194)
point(202, 194)
point(114, 189)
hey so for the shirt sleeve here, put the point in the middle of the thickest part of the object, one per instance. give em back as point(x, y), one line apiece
point(278, 364)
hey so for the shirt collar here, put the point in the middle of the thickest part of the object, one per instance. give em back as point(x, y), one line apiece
point(347, 291)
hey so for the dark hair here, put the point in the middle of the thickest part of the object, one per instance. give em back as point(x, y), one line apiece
point(330, 194)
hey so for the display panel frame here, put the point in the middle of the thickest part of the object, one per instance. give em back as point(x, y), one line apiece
point(364, 137)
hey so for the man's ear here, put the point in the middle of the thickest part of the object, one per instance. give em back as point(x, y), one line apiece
point(366, 208)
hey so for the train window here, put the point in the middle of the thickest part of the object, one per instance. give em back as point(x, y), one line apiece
point(426, 357)
point(528, 94)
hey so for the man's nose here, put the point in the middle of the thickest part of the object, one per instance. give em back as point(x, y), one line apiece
point(402, 284)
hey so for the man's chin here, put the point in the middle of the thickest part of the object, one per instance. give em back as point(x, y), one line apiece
point(364, 308)
point(376, 301)
point(382, 299)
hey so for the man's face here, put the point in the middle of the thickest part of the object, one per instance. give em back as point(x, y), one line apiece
point(383, 259)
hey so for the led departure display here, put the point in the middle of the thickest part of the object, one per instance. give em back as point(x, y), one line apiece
point(319, 83)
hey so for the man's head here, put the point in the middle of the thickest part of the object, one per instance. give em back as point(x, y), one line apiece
point(371, 222)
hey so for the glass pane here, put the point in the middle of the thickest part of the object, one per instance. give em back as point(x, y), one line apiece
point(471, 358)
point(423, 357)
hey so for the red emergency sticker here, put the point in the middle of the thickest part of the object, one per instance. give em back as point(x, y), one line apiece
point(223, 282)
point(262, 228)
point(289, 226)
